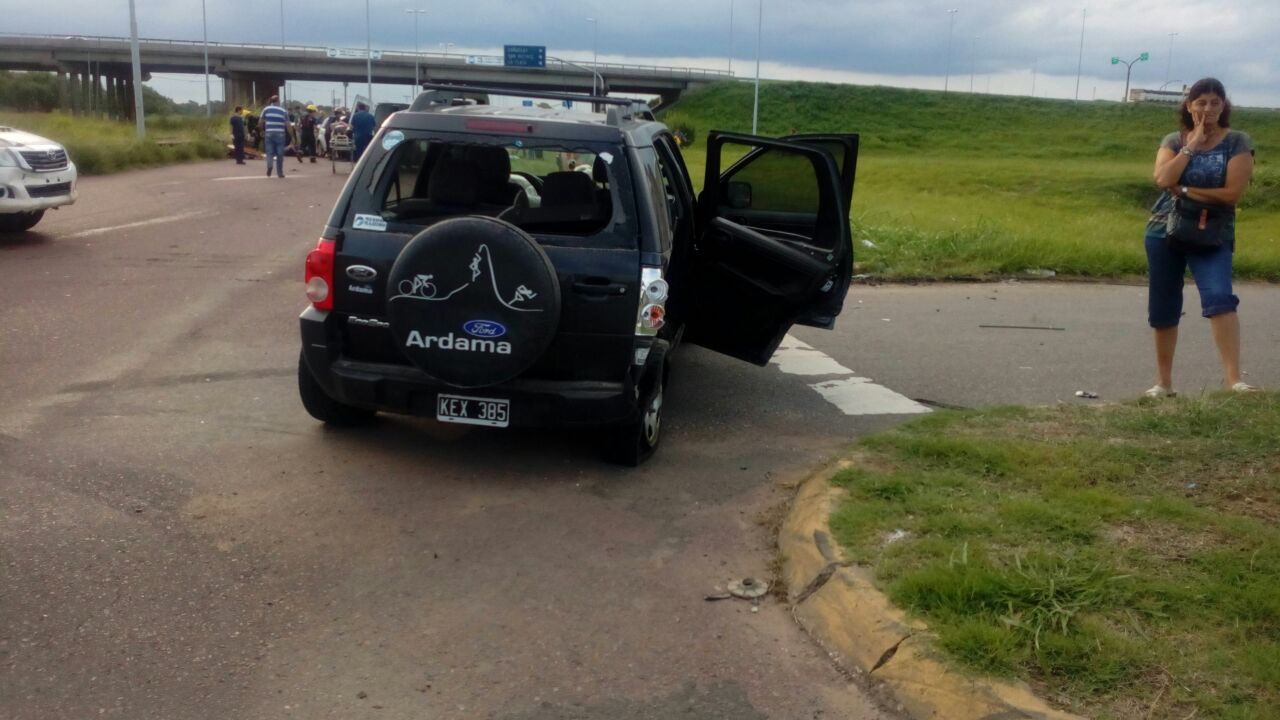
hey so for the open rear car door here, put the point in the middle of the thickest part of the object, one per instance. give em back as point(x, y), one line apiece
point(773, 243)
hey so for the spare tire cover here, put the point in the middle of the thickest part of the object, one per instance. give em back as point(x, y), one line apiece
point(473, 301)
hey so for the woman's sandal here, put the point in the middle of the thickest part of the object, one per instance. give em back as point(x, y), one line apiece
point(1244, 387)
point(1159, 391)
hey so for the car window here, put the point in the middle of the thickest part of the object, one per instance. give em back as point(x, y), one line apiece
point(779, 182)
point(673, 186)
point(548, 188)
point(661, 202)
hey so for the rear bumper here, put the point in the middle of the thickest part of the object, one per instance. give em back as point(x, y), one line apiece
point(407, 390)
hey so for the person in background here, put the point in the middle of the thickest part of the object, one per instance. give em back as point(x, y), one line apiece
point(308, 128)
point(275, 123)
point(1206, 162)
point(362, 128)
point(237, 134)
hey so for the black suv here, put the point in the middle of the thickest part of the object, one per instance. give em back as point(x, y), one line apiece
point(536, 267)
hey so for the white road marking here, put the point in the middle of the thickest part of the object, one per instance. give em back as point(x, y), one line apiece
point(852, 394)
point(140, 223)
point(860, 396)
point(257, 177)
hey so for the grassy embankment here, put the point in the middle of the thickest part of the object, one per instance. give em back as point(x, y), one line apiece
point(102, 146)
point(1124, 559)
point(966, 185)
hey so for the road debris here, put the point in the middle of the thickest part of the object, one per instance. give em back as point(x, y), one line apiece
point(747, 588)
point(1087, 394)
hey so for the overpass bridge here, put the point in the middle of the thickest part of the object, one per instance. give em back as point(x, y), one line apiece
point(94, 72)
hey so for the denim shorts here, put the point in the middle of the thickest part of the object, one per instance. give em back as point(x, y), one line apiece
point(1166, 269)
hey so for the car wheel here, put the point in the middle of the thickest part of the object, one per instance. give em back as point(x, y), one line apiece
point(324, 408)
point(20, 222)
point(635, 442)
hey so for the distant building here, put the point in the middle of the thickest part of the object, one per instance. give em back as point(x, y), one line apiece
point(1168, 97)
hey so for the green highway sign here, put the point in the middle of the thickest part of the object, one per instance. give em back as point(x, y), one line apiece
point(1144, 56)
point(1115, 60)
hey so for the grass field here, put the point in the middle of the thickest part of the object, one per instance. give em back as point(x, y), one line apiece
point(1124, 559)
point(965, 185)
point(100, 146)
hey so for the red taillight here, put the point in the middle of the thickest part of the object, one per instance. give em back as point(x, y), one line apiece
point(319, 277)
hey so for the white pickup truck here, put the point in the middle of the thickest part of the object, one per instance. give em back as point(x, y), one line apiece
point(35, 175)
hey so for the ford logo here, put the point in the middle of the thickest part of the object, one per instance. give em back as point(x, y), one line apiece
point(361, 273)
point(484, 328)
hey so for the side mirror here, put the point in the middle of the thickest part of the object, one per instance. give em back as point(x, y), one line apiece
point(738, 195)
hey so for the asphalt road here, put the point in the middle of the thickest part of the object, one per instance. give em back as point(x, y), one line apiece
point(178, 539)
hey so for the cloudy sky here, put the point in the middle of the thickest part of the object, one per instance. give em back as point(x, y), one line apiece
point(998, 46)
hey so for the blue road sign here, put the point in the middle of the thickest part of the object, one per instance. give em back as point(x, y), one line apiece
point(567, 103)
point(524, 56)
point(526, 103)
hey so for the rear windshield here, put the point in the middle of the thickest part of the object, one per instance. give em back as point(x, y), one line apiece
point(563, 193)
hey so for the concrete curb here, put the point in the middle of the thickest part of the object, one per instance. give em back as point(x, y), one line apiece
point(864, 633)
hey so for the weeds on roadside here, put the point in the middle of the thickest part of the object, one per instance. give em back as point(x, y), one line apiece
point(1087, 550)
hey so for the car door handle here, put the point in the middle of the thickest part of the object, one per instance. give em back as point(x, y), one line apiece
point(600, 289)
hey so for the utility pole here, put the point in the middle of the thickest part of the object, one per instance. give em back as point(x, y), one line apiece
point(1034, 63)
point(136, 56)
point(1084, 14)
point(204, 24)
point(973, 55)
point(368, 55)
point(730, 37)
point(951, 29)
point(1168, 67)
point(281, 24)
point(595, 56)
point(755, 107)
point(415, 12)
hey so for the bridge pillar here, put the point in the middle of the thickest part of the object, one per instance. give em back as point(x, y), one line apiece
point(250, 90)
point(63, 99)
point(126, 95)
point(111, 93)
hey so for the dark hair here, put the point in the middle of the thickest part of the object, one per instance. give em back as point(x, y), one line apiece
point(239, 108)
point(273, 99)
point(1205, 86)
point(361, 106)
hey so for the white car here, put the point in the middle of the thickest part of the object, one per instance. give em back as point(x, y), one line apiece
point(35, 175)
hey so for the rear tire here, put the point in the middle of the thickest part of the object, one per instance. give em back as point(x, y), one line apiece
point(20, 222)
point(636, 442)
point(324, 408)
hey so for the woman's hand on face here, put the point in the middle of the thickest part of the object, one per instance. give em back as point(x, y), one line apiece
point(1199, 133)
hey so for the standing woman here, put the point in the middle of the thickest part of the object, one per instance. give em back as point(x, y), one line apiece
point(1205, 162)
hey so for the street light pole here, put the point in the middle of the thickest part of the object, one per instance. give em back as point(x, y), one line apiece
point(595, 56)
point(951, 28)
point(973, 54)
point(136, 57)
point(1084, 14)
point(368, 55)
point(281, 24)
point(1128, 70)
point(415, 12)
point(755, 107)
point(204, 24)
point(1168, 68)
point(730, 37)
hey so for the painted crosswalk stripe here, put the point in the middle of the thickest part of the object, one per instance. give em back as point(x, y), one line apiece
point(853, 395)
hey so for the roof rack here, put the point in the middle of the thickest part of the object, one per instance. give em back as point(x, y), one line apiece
point(619, 108)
